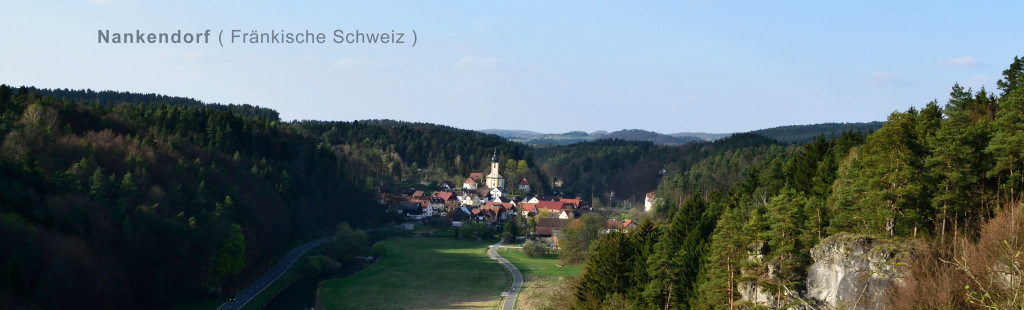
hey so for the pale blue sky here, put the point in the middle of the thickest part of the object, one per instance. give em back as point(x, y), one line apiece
point(711, 66)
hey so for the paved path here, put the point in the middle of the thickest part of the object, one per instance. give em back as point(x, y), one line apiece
point(517, 277)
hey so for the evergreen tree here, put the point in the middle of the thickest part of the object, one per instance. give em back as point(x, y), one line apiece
point(725, 255)
point(607, 269)
point(953, 163)
point(1007, 144)
point(787, 242)
point(670, 267)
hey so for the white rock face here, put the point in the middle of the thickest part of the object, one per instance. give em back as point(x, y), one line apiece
point(854, 272)
point(849, 272)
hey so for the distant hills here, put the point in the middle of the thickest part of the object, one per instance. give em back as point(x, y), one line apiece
point(784, 134)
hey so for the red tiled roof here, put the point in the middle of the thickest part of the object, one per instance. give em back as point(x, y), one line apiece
point(650, 195)
point(446, 195)
point(469, 181)
point(524, 182)
point(627, 223)
point(528, 207)
point(476, 175)
point(574, 202)
point(550, 205)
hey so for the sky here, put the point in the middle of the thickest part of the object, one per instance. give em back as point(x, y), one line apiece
point(545, 66)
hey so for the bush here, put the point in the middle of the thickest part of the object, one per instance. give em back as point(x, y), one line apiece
point(320, 264)
point(378, 250)
point(534, 249)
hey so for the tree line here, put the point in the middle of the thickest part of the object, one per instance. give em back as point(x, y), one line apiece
point(932, 177)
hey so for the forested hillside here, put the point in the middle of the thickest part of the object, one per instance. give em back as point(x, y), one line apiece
point(387, 151)
point(806, 133)
point(141, 206)
point(943, 180)
point(108, 97)
point(631, 168)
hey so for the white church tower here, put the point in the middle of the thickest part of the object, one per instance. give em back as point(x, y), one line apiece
point(494, 179)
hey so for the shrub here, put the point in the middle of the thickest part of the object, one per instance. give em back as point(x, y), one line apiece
point(534, 249)
point(378, 250)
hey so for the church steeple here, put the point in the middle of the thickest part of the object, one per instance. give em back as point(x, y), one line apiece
point(494, 179)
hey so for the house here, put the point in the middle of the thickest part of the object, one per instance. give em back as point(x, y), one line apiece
point(551, 206)
point(412, 210)
point(500, 209)
point(524, 186)
point(612, 225)
point(567, 214)
point(528, 209)
point(469, 184)
point(553, 223)
point(436, 205)
point(446, 186)
point(649, 202)
point(575, 203)
point(469, 199)
point(459, 215)
point(476, 176)
point(484, 215)
point(628, 225)
point(419, 195)
point(450, 200)
point(547, 229)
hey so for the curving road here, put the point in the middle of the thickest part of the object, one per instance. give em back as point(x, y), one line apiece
point(244, 296)
point(517, 277)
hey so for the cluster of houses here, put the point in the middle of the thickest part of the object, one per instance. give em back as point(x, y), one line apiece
point(490, 204)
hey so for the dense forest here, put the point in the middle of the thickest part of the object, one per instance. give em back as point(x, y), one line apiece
point(629, 169)
point(807, 133)
point(132, 205)
point(385, 151)
point(943, 181)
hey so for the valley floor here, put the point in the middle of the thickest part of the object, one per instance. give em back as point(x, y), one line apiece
point(422, 273)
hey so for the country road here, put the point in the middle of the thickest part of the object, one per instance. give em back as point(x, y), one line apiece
point(244, 296)
point(517, 277)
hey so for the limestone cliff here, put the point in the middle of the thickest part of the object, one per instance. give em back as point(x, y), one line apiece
point(849, 272)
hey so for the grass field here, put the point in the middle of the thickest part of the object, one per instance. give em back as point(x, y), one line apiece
point(542, 278)
point(422, 273)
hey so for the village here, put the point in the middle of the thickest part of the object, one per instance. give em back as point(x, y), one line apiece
point(485, 199)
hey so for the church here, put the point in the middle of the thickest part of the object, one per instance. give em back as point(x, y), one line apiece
point(494, 179)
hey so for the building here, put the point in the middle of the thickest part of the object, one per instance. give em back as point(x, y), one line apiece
point(494, 179)
point(524, 186)
point(649, 202)
point(469, 184)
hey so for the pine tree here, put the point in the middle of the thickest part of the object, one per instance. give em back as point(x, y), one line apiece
point(786, 241)
point(1007, 144)
point(952, 162)
point(725, 255)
